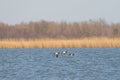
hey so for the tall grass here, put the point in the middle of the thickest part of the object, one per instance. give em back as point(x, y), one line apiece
point(61, 43)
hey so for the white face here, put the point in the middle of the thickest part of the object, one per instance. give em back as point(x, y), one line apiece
point(64, 52)
point(56, 53)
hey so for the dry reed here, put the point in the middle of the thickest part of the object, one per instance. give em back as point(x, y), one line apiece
point(61, 43)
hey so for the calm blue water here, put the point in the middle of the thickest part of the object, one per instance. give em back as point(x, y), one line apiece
point(40, 64)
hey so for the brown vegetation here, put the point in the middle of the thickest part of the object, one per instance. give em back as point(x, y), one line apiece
point(44, 34)
point(63, 30)
point(62, 43)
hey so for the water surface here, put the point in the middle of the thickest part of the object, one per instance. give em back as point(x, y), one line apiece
point(40, 64)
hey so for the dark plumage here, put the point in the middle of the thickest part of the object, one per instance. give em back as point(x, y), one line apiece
point(71, 54)
point(64, 52)
point(56, 54)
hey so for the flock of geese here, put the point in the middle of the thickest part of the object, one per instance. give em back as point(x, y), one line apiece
point(56, 54)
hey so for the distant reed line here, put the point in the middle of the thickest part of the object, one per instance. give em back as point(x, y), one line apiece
point(61, 43)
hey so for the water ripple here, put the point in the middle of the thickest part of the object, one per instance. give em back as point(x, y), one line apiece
point(40, 64)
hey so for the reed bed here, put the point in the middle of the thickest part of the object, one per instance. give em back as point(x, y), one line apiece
point(61, 43)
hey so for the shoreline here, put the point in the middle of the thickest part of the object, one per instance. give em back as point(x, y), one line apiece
point(61, 43)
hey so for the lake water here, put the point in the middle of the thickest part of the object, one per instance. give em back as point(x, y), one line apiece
point(40, 64)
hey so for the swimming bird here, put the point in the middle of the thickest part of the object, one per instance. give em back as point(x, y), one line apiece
point(64, 52)
point(56, 54)
point(71, 54)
